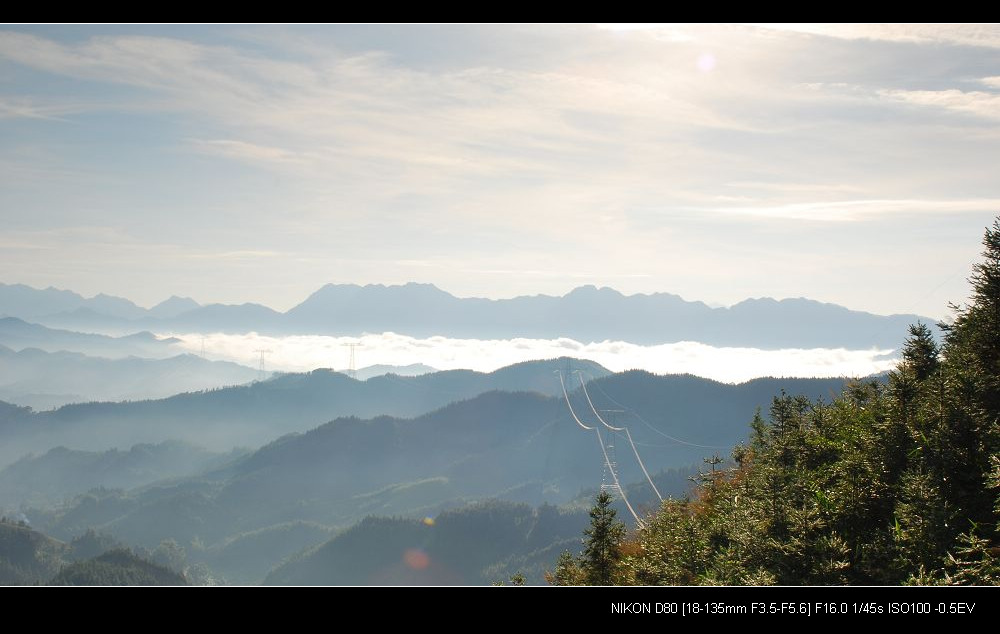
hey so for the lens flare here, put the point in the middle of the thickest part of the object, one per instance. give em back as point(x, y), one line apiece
point(416, 559)
point(428, 521)
point(706, 62)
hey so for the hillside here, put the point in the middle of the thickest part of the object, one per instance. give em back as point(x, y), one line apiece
point(63, 473)
point(119, 567)
point(519, 446)
point(475, 545)
point(247, 558)
point(27, 557)
point(45, 380)
point(257, 413)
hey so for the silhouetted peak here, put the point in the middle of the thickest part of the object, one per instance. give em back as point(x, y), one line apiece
point(174, 306)
point(591, 291)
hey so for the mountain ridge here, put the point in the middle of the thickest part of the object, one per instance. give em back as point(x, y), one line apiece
point(586, 313)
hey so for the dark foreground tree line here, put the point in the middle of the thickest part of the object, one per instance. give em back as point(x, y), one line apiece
point(893, 482)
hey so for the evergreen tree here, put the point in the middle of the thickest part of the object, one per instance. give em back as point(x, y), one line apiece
point(569, 571)
point(969, 397)
point(920, 351)
point(601, 553)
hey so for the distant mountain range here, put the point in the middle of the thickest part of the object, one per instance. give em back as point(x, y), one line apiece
point(46, 380)
point(422, 310)
point(17, 334)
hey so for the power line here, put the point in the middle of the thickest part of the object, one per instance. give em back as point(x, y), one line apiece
point(627, 435)
point(566, 394)
point(650, 425)
point(618, 485)
point(604, 451)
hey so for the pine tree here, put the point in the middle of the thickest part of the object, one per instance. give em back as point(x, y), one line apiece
point(920, 352)
point(973, 340)
point(970, 403)
point(601, 553)
point(569, 571)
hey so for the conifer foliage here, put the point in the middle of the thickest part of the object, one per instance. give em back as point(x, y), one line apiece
point(896, 481)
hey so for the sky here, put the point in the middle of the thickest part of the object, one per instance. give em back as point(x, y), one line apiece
point(854, 164)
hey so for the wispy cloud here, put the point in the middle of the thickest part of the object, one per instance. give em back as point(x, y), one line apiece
point(25, 108)
point(823, 189)
point(982, 35)
point(983, 104)
point(853, 210)
point(234, 255)
point(251, 152)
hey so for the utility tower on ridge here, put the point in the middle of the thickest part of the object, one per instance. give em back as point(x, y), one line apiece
point(260, 367)
point(352, 370)
point(608, 482)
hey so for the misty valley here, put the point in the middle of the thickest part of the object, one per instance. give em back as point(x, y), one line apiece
point(125, 460)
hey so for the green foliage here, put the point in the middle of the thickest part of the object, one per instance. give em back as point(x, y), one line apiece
point(892, 482)
point(601, 552)
point(516, 579)
point(974, 562)
point(920, 352)
point(119, 567)
point(569, 571)
point(600, 563)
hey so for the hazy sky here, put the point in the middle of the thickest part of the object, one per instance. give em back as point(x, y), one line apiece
point(852, 164)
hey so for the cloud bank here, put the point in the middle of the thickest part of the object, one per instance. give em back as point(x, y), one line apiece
point(730, 365)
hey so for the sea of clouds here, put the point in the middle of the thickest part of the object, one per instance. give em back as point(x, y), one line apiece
point(731, 365)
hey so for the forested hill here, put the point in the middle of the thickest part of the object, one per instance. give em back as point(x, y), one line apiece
point(62, 473)
point(515, 446)
point(28, 557)
point(254, 414)
point(120, 567)
point(697, 411)
point(475, 545)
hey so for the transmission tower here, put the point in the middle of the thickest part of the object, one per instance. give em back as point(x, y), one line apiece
point(352, 370)
point(262, 374)
point(608, 481)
